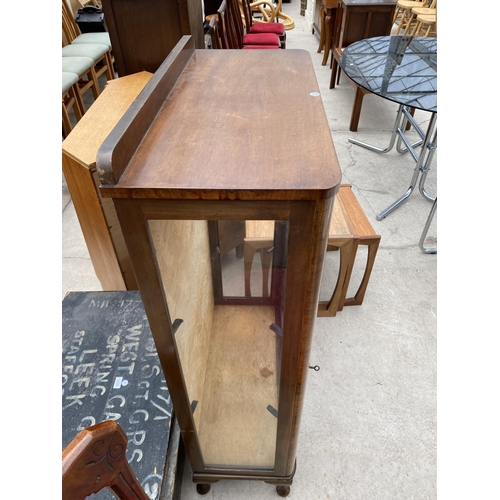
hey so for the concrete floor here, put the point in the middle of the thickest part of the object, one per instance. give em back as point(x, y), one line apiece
point(368, 427)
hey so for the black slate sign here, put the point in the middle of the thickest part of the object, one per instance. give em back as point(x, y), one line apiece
point(111, 371)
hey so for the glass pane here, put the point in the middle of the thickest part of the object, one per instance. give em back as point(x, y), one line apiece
point(229, 342)
point(183, 257)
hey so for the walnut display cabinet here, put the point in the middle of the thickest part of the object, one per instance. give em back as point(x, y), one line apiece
point(213, 148)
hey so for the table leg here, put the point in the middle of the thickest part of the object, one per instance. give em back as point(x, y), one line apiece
point(356, 108)
point(422, 160)
point(422, 167)
point(322, 28)
point(394, 134)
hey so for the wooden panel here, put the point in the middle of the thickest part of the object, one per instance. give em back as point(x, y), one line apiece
point(93, 223)
point(364, 19)
point(119, 147)
point(144, 33)
point(262, 229)
point(231, 234)
point(338, 225)
point(119, 246)
point(236, 426)
point(183, 258)
point(358, 222)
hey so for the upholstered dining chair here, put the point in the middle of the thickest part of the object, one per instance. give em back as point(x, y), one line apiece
point(248, 39)
point(232, 36)
point(277, 28)
point(96, 459)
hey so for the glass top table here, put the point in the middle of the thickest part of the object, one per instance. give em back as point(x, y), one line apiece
point(402, 69)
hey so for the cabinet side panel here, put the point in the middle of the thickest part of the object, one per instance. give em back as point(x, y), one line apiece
point(183, 257)
point(87, 203)
point(116, 234)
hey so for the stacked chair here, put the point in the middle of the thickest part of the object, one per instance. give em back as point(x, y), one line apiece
point(423, 20)
point(406, 16)
point(262, 27)
point(228, 26)
point(87, 56)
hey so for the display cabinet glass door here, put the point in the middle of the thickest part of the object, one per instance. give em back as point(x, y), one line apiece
point(224, 287)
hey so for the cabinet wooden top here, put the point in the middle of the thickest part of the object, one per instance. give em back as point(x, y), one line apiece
point(224, 124)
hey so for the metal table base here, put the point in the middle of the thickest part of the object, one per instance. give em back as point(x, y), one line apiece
point(422, 160)
point(421, 243)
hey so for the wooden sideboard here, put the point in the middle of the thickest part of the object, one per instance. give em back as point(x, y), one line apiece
point(360, 19)
point(144, 33)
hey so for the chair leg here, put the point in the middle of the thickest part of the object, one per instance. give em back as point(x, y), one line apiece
point(79, 107)
point(333, 76)
point(322, 30)
point(110, 73)
point(66, 121)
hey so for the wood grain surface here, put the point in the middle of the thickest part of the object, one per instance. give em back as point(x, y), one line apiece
point(236, 427)
point(229, 130)
point(88, 135)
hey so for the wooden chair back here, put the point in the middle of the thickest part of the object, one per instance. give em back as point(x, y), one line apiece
point(247, 13)
point(233, 9)
point(70, 28)
point(226, 31)
point(213, 30)
point(96, 459)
